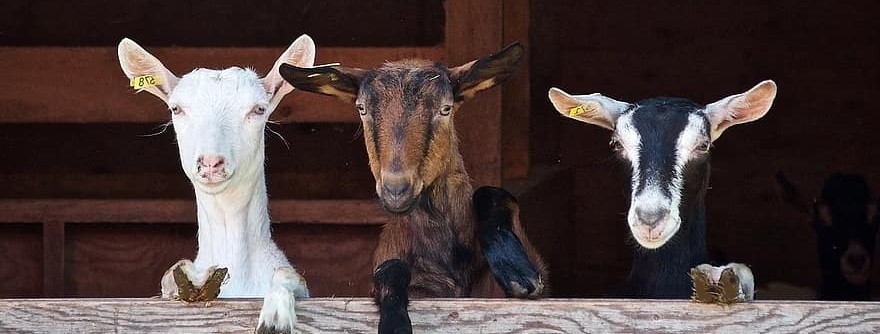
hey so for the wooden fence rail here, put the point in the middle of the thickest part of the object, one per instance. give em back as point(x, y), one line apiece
point(459, 316)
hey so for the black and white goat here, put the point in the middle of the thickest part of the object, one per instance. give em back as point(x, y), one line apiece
point(666, 142)
point(845, 219)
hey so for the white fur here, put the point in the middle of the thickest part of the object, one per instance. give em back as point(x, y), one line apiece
point(223, 113)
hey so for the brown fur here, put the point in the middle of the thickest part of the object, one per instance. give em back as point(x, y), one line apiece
point(409, 140)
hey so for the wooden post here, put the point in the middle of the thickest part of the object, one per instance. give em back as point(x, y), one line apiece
point(474, 30)
point(53, 259)
point(516, 96)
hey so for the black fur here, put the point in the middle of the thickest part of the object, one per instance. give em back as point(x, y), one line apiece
point(847, 197)
point(663, 272)
point(502, 249)
point(391, 280)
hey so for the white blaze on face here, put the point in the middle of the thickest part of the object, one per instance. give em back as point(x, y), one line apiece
point(654, 216)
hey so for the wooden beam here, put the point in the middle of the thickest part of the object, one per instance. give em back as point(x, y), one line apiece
point(473, 30)
point(359, 315)
point(182, 211)
point(515, 96)
point(53, 259)
point(86, 85)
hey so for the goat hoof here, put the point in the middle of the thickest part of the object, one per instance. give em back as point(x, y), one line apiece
point(704, 289)
point(263, 329)
point(278, 312)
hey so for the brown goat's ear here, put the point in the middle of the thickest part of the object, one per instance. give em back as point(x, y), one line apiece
point(484, 73)
point(342, 82)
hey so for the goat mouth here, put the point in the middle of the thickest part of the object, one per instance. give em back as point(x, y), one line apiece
point(399, 206)
point(654, 239)
point(211, 186)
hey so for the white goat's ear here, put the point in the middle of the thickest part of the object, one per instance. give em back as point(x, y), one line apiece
point(301, 53)
point(137, 62)
point(741, 108)
point(594, 108)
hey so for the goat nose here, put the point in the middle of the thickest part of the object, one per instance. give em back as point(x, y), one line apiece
point(857, 261)
point(651, 217)
point(210, 163)
point(395, 186)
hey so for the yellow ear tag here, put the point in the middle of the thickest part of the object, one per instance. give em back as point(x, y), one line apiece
point(144, 81)
point(576, 111)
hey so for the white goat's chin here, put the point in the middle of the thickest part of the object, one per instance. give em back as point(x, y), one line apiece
point(211, 187)
point(669, 231)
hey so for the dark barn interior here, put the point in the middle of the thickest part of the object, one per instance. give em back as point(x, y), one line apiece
point(72, 129)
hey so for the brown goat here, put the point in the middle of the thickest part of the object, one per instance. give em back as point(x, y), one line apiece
point(447, 239)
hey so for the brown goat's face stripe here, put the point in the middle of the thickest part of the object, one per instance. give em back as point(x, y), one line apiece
point(407, 136)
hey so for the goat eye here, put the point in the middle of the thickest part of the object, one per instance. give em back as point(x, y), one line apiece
point(176, 110)
point(446, 110)
point(704, 147)
point(259, 110)
point(361, 109)
point(615, 145)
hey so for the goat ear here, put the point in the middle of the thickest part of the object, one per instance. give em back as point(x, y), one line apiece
point(342, 82)
point(135, 62)
point(791, 194)
point(593, 109)
point(741, 108)
point(484, 73)
point(300, 53)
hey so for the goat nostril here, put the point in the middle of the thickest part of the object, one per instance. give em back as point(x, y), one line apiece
point(651, 218)
point(395, 188)
point(210, 161)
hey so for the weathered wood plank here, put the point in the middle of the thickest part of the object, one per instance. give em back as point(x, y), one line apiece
point(177, 211)
point(327, 315)
point(85, 85)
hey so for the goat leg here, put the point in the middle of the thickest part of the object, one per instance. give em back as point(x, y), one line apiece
point(508, 260)
point(278, 314)
point(391, 281)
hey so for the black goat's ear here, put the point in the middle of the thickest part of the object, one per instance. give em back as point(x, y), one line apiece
point(791, 195)
point(342, 82)
point(484, 73)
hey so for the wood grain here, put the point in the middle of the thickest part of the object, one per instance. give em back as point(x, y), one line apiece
point(86, 85)
point(180, 211)
point(325, 315)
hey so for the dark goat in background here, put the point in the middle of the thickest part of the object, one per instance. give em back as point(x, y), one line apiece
point(845, 220)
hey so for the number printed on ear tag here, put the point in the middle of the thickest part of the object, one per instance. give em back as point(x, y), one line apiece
point(144, 81)
point(576, 111)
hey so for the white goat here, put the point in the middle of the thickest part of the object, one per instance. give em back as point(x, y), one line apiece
point(219, 117)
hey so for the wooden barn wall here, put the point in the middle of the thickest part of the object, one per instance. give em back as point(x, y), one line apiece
point(822, 54)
